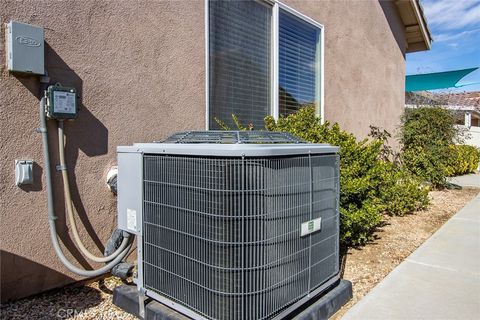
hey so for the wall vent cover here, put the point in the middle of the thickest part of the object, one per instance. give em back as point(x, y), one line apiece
point(232, 225)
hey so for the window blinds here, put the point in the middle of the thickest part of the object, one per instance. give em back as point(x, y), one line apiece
point(299, 81)
point(239, 62)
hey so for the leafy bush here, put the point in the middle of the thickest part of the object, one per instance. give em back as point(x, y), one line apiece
point(236, 122)
point(370, 185)
point(463, 159)
point(400, 191)
point(426, 135)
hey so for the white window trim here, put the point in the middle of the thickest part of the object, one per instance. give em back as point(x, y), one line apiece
point(274, 108)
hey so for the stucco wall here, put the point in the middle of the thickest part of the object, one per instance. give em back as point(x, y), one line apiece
point(139, 68)
point(364, 62)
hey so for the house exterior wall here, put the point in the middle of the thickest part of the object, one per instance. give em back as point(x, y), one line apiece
point(140, 71)
point(364, 62)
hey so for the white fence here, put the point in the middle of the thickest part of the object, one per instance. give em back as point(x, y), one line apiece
point(474, 137)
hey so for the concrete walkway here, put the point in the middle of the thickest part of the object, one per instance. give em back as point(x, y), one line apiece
point(440, 280)
point(469, 180)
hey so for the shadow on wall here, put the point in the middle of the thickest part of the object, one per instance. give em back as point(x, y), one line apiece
point(26, 276)
point(59, 304)
point(87, 134)
point(395, 23)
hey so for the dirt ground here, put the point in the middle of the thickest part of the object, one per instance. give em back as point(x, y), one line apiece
point(365, 267)
point(396, 240)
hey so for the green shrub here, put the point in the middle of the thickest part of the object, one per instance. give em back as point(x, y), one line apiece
point(463, 159)
point(400, 191)
point(370, 186)
point(426, 134)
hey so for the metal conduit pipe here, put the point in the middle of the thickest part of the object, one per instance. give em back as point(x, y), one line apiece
point(51, 212)
point(70, 209)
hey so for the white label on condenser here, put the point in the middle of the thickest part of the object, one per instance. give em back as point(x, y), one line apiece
point(64, 102)
point(311, 226)
point(131, 219)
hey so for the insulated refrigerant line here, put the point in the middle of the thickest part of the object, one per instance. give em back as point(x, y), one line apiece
point(69, 204)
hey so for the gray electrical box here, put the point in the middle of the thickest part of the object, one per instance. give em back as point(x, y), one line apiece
point(61, 102)
point(25, 48)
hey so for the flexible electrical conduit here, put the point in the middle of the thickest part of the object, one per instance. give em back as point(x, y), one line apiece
point(69, 203)
point(51, 212)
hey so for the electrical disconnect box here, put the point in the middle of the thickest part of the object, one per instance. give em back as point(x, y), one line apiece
point(61, 102)
point(25, 48)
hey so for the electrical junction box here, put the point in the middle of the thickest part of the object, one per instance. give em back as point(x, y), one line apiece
point(61, 102)
point(25, 48)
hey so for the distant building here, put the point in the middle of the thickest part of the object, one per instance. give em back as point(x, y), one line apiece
point(466, 107)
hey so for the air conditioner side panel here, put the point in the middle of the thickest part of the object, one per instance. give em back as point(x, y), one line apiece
point(130, 191)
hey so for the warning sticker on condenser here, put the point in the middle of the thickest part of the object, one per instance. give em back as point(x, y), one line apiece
point(131, 219)
point(311, 226)
point(64, 102)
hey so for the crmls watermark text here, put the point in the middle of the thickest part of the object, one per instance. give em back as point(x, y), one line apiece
point(69, 313)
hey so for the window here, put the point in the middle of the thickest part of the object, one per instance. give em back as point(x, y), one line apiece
point(299, 64)
point(239, 61)
point(262, 60)
point(475, 122)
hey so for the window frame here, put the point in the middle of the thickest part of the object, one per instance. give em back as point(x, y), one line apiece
point(274, 107)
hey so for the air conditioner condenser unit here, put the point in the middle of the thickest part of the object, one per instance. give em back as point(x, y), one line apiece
point(232, 224)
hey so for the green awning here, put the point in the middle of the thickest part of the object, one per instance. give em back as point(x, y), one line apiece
point(437, 80)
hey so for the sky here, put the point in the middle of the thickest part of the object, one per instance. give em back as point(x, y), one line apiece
point(455, 28)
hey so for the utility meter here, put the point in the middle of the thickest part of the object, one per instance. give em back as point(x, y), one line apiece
point(61, 102)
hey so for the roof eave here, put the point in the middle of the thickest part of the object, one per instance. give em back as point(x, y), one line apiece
point(417, 34)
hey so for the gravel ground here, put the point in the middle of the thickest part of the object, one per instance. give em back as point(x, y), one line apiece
point(365, 267)
point(90, 301)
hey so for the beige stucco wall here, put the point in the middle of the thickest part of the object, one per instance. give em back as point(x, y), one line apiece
point(364, 62)
point(139, 67)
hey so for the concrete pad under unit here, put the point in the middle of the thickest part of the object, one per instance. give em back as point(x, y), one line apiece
point(440, 280)
point(320, 308)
